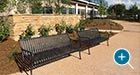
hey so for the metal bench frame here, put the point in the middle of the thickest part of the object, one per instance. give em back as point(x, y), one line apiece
point(92, 37)
point(41, 50)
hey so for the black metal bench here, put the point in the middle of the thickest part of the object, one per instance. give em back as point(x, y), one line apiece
point(89, 37)
point(39, 51)
point(79, 40)
point(94, 36)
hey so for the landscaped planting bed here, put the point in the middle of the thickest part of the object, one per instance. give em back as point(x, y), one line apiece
point(9, 46)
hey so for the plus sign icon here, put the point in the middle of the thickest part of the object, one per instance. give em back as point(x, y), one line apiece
point(122, 57)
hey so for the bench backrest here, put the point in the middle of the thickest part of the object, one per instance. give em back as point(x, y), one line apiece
point(91, 33)
point(40, 44)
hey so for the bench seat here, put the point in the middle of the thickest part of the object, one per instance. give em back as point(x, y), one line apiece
point(41, 50)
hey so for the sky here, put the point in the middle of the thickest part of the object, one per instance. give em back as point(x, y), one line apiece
point(128, 3)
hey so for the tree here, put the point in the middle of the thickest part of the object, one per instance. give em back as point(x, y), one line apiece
point(133, 10)
point(110, 10)
point(102, 10)
point(117, 9)
point(29, 6)
point(18, 6)
point(57, 5)
point(37, 8)
point(4, 25)
point(3, 4)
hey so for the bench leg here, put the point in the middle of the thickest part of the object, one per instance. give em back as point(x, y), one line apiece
point(89, 45)
point(31, 69)
point(88, 51)
point(107, 42)
point(79, 54)
point(69, 54)
point(31, 72)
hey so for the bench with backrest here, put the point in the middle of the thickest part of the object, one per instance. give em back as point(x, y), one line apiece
point(39, 51)
point(79, 40)
point(91, 37)
point(94, 36)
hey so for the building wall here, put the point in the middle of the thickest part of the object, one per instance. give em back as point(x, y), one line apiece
point(20, 22)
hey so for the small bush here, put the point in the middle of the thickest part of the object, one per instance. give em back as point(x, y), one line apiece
point(28, 33)
point(69, 29)
point(82, 25)
point(76, 27)
point(44, 31)
point(60, 28)
point(4, 30)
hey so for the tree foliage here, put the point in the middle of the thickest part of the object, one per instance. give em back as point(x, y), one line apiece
point(3, 4)
point(4, 30)
point(102, 10)
point(117, 9)
point(57, 5)
point(37, 8)
point(133, 10)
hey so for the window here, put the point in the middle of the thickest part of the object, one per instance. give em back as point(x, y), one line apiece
point(47, 10)
point(91, 12)
point(64, 11)
point(71, 11)
point(79, 11)
point(82, 12)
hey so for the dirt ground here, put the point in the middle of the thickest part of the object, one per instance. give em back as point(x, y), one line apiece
point(8, 66)
point(115, 26)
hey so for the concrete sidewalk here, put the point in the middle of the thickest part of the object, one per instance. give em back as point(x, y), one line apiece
point(100, 62)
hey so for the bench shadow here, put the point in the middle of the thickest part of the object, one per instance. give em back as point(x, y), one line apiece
point(27, 66)
point(77, 57)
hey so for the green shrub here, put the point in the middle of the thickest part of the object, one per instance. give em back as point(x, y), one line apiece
point(76, 27)
point(60, 28)
point(37, 8)
point(44, 31)
point(4, 30)
point(28, 33)
point(82, 25)
point(69, 29)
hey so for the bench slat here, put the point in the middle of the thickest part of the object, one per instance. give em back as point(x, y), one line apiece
point(41, 50)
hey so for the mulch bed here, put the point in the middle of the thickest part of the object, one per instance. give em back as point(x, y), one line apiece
point(105, 27)
point(8, 66)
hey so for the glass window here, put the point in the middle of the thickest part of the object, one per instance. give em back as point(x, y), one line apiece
point(82, 12)
point(71, 11)
point(91, 12)
point(79, 11)
point(64, 11)
point(47, 10)
point(88, 12)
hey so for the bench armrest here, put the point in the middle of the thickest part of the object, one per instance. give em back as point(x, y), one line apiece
point(106, 33)
point(26, 52)
point(82, 39)
point(27, 55)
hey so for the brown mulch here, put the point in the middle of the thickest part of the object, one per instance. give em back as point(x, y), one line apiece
point(8, 65)
point(105, 26)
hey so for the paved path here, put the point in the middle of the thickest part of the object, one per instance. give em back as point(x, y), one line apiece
point(100, 62)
